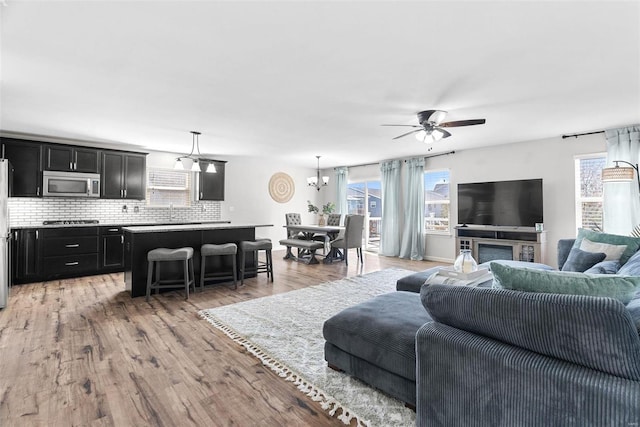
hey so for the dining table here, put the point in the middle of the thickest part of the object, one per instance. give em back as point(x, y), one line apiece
point(309, 231)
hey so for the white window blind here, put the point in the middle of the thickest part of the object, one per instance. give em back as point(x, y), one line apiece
point(168, 187)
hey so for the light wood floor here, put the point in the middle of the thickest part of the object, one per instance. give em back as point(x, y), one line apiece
point(82, 352)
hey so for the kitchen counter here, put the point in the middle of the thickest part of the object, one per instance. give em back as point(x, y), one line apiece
point(187, 227)
point(139, 240)
point(120, 224)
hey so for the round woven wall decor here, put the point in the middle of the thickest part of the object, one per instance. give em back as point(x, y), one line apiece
point(281, 187)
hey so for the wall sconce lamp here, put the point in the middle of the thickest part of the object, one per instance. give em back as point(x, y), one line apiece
point(314, 181)
point(621, 174)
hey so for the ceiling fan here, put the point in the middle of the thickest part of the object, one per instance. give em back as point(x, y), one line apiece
point(431, 126)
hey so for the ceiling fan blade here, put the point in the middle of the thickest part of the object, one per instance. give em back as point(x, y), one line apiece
point(408, 133)
point(431, 116)
point(413, 126)
point(445, 134)
point(459, 123)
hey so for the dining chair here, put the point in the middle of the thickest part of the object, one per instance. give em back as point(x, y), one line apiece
point(333, 220)
point(352, 238)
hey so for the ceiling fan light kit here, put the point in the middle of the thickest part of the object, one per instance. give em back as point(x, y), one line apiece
point(430, 128)
point(195, 159)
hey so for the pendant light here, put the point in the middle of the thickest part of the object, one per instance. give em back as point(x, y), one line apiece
point(314, 181)
point(195, 159)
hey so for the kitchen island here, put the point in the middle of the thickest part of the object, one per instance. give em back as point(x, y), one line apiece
point(139, 240)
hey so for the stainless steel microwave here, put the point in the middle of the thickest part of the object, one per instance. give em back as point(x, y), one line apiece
point(70, 184)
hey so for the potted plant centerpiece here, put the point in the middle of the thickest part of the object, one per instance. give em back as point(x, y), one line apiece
point(327, 208)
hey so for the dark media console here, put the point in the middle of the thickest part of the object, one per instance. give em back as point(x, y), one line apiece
point(488, 243)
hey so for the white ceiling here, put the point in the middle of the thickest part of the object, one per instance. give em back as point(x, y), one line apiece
point(299, 79)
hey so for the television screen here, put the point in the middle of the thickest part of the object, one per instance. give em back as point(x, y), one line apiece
point(501, 203)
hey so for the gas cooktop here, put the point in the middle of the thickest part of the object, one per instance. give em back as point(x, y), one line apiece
point(70, 221)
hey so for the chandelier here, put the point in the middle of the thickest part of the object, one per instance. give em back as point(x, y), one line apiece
point(194, 159)
point(314, 181)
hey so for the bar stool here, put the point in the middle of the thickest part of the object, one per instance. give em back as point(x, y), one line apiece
point(229, 249)
point(156, 256)
point(261, 267)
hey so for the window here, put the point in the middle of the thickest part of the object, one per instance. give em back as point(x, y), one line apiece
point(589, 190)
point(363, 198)
point(436, 201)
point(168, 187)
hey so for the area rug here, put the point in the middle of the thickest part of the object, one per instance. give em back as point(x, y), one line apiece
point(285, 332)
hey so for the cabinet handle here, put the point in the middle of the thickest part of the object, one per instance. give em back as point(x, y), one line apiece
point(122, 239)
point(113, 229)
point(75, 245)
point(37, 235)
point(71, 263)
point(200, 194)
point(71, 165)
point(37, 191)
point(125, 193)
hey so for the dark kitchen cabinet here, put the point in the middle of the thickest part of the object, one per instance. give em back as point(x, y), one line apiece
point(71, 159)
point(211, 185)
point(26, 160)
point(69, 252)
point(27, 255)
point(111, 249)
point(123, 175)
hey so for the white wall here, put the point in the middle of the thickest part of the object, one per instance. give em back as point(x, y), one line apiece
point(549, 159)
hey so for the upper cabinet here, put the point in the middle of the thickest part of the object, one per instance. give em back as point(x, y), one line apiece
point(123, 175)
point(211, 185)
point(71, 159)
point(26, 160)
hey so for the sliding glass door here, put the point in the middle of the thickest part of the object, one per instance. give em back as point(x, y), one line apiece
point(364, 198)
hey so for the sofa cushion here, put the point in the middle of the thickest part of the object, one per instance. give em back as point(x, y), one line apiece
point(413, 282)
point(633, 243)
point(612, 252)
point(381, 331)
point(580, 260)
point(622, 288)
point(605, 267)
point(598, 333)
point(631, 267)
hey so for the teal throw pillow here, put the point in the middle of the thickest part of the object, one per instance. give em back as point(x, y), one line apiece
point(633, 243)
point(579, 260)
point(622, 288)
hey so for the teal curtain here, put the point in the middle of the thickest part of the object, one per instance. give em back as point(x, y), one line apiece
point(390, 226)
point(342, 175)
point(412, 246)
point(621, 200)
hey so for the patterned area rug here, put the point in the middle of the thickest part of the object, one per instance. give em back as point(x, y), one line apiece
point(285, 332)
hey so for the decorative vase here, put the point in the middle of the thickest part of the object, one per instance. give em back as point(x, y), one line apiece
point(465, 262)
point(321, 221)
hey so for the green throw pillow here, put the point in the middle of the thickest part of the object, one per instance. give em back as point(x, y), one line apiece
point(633, 243)
point(622, 288)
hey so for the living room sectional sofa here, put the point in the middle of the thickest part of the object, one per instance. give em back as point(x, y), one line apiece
point(496, 357)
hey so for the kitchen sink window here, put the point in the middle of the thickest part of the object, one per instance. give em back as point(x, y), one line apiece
point(167, 187)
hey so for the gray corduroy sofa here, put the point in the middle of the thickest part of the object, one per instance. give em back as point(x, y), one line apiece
point(495, 357)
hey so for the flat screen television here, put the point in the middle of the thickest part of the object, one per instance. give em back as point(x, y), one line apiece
point(501, 203)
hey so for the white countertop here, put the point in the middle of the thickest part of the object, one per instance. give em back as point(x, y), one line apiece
point(189, 227)
point(126, 224)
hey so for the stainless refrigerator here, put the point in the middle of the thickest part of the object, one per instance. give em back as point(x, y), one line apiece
point(5, 235)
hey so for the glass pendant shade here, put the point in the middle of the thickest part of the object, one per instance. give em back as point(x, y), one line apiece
point(178, 165)
point(195, 167)
point(211, 168)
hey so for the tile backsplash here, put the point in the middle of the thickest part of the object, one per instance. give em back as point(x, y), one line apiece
point(25, 211)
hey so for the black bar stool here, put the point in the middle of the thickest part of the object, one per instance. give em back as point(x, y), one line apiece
point(208, 250)
point(261, 266)
point(156, 256)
